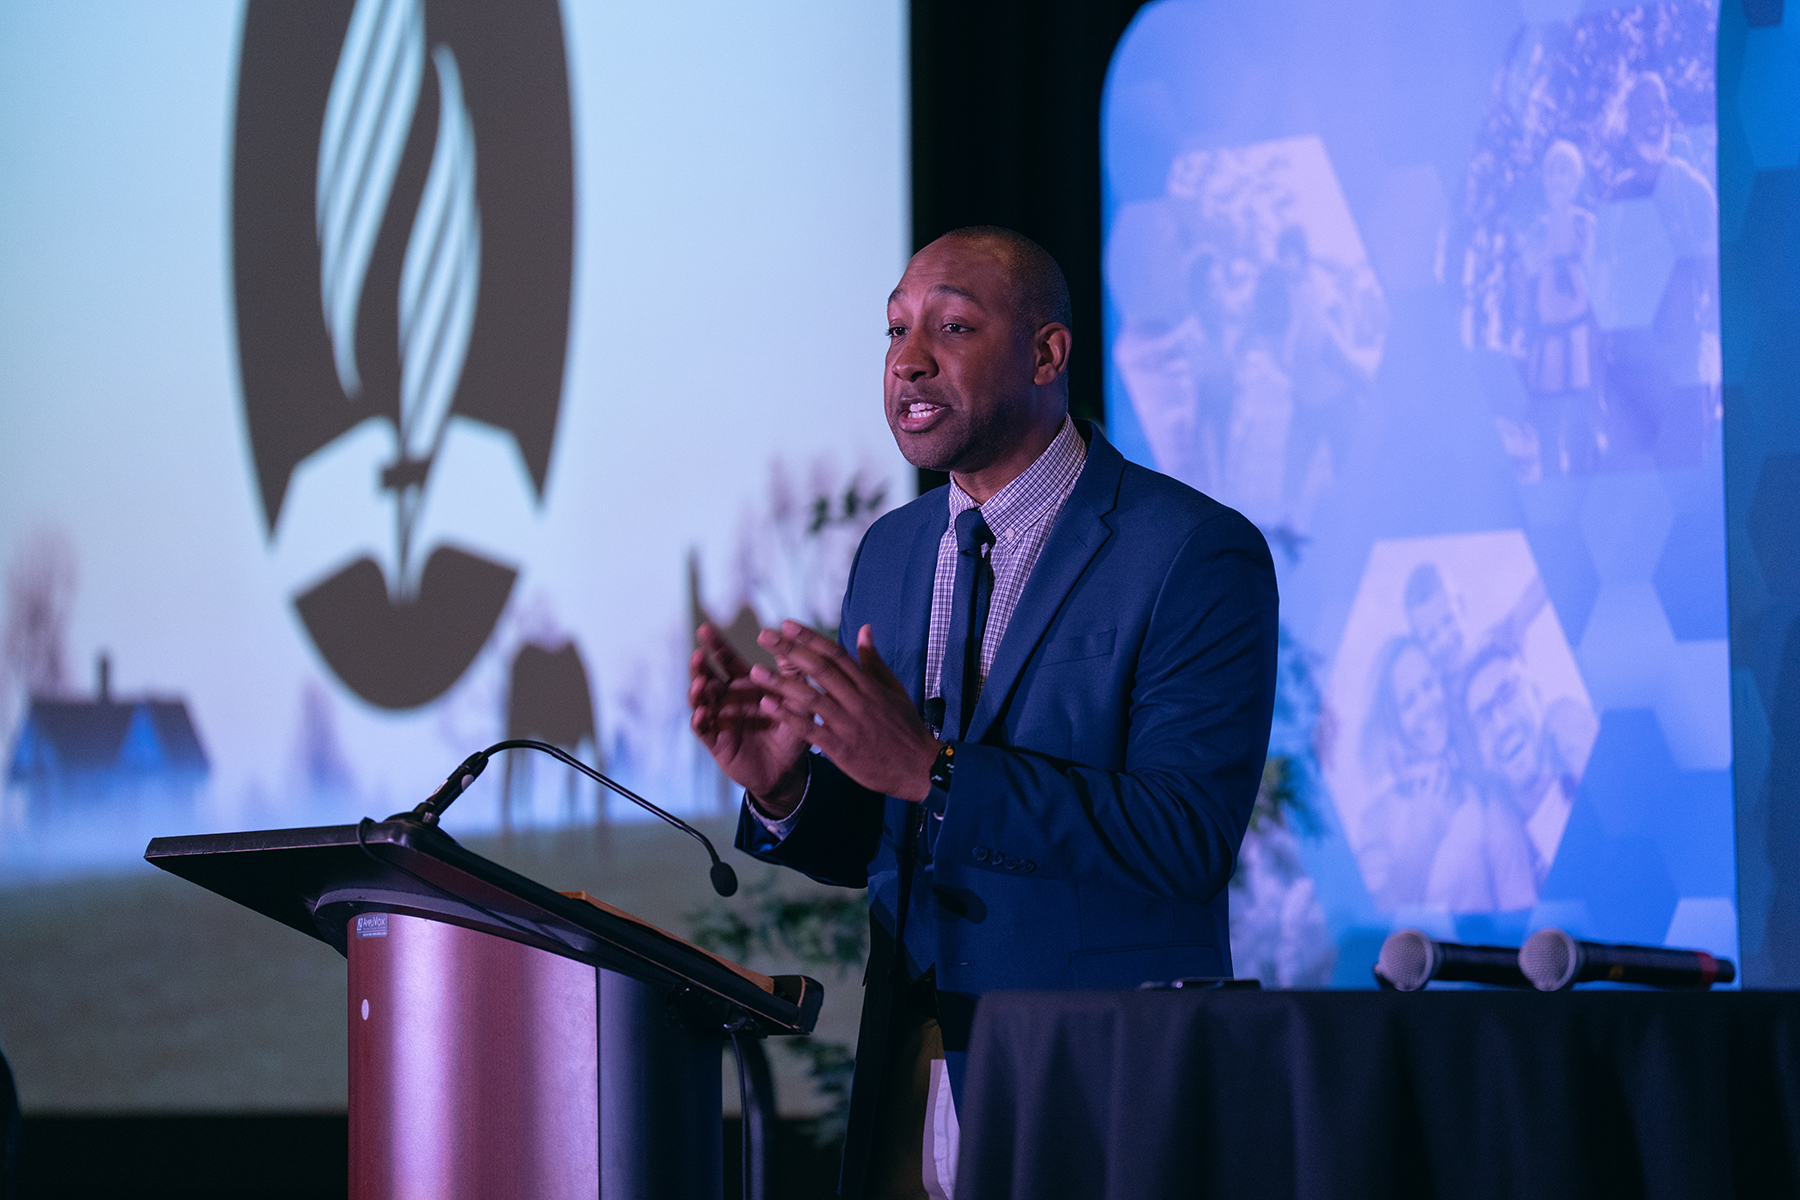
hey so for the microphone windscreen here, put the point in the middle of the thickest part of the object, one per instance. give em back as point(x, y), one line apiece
point(1408, 960)
point(1550, 959)
point(1553, 960)
point(724, 879)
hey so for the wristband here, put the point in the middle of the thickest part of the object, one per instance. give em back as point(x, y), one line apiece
point(943, 767)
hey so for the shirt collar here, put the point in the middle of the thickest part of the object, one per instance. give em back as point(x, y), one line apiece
point(1036, 491)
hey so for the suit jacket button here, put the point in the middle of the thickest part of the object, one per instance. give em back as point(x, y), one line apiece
point(1011, 863)
point(1027, 866)
point(980, 853)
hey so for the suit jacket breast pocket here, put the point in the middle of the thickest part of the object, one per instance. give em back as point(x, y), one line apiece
point(1079, 646)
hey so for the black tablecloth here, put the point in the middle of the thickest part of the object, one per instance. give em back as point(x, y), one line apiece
point(1352, 1094)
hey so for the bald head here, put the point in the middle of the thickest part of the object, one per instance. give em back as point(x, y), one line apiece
point(1040, 293)
point(978, 346)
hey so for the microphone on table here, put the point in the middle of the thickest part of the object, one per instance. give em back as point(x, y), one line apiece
point(1553, 961)
point(1410, 960)
point(431, 809)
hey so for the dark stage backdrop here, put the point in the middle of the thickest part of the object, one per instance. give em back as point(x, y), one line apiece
point(1006, 131)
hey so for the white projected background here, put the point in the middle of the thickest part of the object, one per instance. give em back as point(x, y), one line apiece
point(739, 217)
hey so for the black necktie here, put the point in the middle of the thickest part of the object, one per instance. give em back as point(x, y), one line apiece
point(968, 621)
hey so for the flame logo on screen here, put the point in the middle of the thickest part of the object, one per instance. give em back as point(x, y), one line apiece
point(426, 292)
point(371, 107)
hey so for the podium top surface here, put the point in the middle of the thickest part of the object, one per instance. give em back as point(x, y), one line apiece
point(316, 880)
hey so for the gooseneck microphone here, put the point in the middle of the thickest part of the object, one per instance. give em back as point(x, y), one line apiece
point(454, 785)
point(1553, 961)
point(1410, 960)
point(431, 809)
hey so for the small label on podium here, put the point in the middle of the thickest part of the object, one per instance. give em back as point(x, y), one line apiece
point(371, 925)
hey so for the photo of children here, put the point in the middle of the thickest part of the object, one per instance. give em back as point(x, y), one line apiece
point(1591, 222)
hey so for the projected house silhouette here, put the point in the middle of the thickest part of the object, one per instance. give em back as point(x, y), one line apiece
point(76, 750)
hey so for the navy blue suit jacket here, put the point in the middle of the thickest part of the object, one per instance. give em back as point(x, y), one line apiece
point(1109, 770)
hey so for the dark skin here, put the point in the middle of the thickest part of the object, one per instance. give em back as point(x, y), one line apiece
point(971, 387)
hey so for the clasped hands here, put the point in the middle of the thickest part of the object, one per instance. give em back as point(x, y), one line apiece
point(757, 723)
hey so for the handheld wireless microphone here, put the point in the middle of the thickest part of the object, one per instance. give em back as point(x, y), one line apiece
point(1410, 960)
point(1553, 961)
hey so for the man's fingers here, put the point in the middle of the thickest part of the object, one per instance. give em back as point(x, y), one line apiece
point(817, 656)
point(701, 677)
point(817, 717)
point(811, 639)
point(800, 724)
point(702, 694)
point(709, 689)
point(871, 659)
point(722, 707)
point(796, 641)
point(699, 674)
point(732, 706)
point(714, 645)
point(792, 690)
point(740, 691)
point(725, 727)
point(805, 704)
point(738, 709)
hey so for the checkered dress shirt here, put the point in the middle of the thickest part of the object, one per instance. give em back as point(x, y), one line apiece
point(1020, 516)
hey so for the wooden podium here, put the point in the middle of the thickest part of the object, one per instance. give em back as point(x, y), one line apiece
point(505, 1039)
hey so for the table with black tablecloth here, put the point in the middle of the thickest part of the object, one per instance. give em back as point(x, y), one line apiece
point(1354, 1094)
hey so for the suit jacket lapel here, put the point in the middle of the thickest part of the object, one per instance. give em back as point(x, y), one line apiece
point(1077, 536)
point(914, 635)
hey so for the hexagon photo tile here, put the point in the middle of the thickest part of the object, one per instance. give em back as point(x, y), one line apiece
point(1632, 260)
point(1694, 704)
point(1626, 519)
point(1594, 241)
point(1636, 794)
point(1628, 773)
point(1626, 648)
point(1541, 11)
point(1684, 200)
point(1405, 228)
point(1690, 577)
point(1638, 900)
point(1464, 725)
point(1697, 835)
point(1569, 573)
point(1252, 324)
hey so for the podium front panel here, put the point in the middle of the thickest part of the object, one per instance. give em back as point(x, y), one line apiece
point(473, 1065)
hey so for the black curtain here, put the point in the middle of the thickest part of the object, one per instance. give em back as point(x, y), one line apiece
point(1006, 131)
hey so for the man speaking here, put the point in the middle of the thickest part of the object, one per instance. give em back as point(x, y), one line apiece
point(1040, 739)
